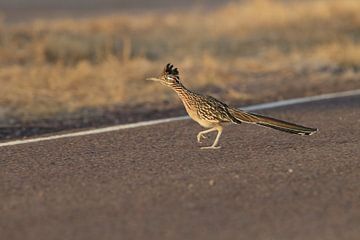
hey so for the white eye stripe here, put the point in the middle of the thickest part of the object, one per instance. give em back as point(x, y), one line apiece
point(172, 78)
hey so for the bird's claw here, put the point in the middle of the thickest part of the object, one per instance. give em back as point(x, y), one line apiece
point(211, 147)
point(199, 136)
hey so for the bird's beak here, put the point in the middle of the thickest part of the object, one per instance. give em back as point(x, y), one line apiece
point(153, 79)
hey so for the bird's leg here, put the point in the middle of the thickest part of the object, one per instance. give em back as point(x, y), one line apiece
point(213, 146)
point(201, 134)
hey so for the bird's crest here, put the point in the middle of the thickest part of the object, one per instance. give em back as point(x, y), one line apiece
point(169, 70)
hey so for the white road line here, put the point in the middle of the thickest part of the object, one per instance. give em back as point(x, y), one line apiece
point(153, 122)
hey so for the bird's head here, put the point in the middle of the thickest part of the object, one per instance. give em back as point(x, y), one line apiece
point(169, 76)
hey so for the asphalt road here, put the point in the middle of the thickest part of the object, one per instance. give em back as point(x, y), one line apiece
point(155, 183)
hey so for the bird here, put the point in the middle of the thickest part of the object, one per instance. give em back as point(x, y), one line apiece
point(213, 114)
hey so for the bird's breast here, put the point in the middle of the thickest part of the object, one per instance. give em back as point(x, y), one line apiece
point(193, 113)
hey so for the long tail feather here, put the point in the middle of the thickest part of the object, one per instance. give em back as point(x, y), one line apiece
point(241, 116)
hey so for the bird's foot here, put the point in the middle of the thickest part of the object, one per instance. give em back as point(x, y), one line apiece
point(199, 136)
point(211, 147)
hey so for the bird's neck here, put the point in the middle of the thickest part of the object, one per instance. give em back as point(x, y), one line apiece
point(181, 90)
point(184, 94)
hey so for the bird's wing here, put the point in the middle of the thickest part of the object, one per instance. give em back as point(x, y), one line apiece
point(213, 110)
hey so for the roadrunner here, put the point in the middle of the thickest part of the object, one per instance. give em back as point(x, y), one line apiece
point(213, 114)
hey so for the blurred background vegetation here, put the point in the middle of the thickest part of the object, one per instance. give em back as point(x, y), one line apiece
point(80, 68)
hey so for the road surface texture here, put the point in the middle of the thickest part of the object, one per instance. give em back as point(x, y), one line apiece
point(155, 183)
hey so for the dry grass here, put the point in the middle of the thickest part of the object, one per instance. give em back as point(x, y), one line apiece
point(250, 51)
